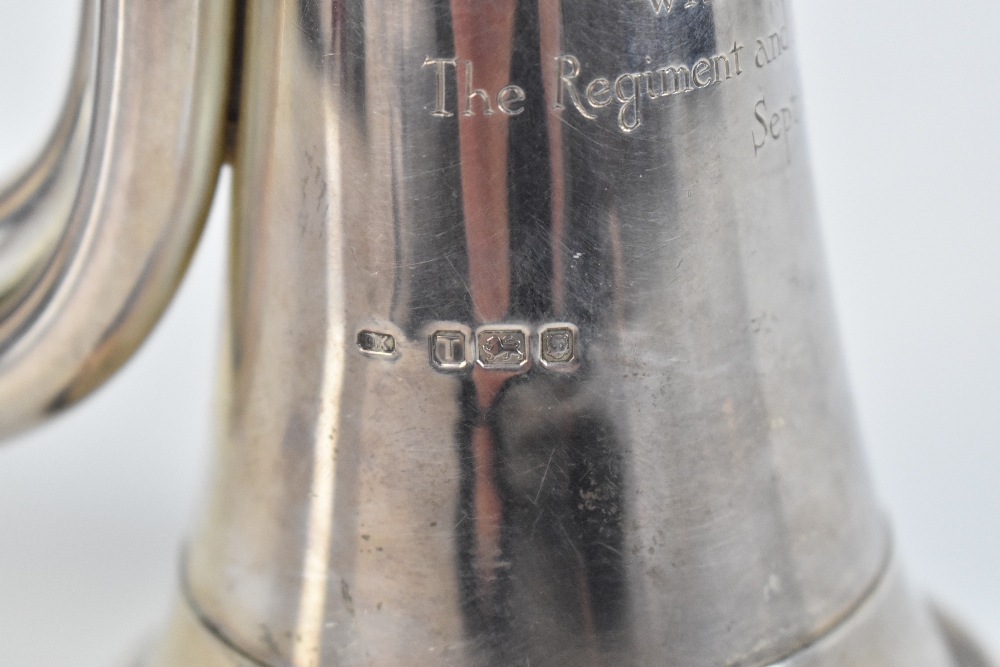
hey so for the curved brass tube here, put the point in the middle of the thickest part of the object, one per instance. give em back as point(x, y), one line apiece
point(35, 207)
point(95, 236)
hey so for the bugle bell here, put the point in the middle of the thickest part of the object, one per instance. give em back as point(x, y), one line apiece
point(530, 357)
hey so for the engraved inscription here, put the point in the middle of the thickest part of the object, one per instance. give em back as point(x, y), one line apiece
point(667, 6)
point(630, 91)
point(771, 126)
point(448, 350)
point(772, 48)
point(502, 348)
point(508, 99)
point(376, 344)
point(441, 108)
point(557, 345)
point(626, 93)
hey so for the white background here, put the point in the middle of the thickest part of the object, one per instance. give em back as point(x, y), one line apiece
point(902, 100)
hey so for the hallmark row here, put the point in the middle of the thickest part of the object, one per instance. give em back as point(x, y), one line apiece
point(455, 347)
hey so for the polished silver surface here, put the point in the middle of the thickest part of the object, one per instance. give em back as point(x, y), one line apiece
point(690, 491)
point(889, 628)
point(95, 236)
point(530, 357)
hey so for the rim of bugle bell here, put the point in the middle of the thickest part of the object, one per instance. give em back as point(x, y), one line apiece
point(529, 354)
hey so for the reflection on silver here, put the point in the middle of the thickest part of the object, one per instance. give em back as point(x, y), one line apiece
point(624, 181)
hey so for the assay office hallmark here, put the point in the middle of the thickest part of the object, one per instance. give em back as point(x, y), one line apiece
point(448, 349)
point(454, 347)
point(558, 347)
point(505, 349)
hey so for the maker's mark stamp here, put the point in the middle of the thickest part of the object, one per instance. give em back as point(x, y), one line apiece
point(498, 348)
point(376, 344)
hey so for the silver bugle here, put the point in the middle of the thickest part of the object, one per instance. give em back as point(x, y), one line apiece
point(530, 357)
